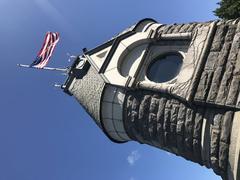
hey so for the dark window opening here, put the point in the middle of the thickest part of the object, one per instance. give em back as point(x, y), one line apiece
point(165, 67)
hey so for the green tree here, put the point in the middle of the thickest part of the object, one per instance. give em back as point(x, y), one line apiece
point(229, 9)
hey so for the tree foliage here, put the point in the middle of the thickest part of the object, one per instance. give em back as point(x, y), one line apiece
point(229, 9)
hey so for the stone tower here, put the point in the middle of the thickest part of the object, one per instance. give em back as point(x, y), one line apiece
point(175, 87)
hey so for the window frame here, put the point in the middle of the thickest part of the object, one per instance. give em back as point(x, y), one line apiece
point(158, 58)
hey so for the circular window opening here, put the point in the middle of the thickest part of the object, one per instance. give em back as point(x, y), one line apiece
point(165, 67)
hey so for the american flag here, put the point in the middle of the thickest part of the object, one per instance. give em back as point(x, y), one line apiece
point(49, 44)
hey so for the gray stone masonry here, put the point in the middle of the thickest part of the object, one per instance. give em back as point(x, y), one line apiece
point(176, 126)
point(220, 79)
point(88, 91)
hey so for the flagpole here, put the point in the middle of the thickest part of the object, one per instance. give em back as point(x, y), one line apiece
point(44, 68)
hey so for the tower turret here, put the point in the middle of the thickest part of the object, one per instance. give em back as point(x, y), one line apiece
point(175, 87)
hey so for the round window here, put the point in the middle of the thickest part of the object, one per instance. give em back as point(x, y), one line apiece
point(165, 67)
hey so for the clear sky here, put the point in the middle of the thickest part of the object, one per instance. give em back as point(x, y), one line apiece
point(44, 133)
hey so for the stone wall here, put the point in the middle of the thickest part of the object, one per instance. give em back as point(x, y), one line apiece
point(197, 133)
point(88, 92)
point(220, 79)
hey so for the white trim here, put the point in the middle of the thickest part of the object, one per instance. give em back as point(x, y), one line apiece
point(111, 113)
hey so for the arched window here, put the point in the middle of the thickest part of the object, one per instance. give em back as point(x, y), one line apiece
point(165, 67)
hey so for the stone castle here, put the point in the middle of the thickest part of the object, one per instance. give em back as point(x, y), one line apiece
point(175, 87)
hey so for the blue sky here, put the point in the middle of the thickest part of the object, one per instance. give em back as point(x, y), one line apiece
point(44, 133)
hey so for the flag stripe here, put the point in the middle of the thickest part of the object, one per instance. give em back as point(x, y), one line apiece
point(45, 50)
point(50, 41)
point(50, 50)
point(45, 44)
